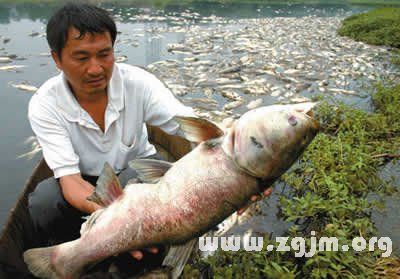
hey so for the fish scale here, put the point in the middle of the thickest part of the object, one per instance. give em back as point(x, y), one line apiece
point(189, 197)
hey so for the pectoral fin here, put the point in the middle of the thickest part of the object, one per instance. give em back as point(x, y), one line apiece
point(178, 255)
point(108, 188)
point(198, 129)
point(150, 170)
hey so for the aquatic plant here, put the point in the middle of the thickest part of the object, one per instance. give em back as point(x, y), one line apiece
point(377, 27)
point(329, 193)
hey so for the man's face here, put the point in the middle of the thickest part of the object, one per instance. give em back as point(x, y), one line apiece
point(87, 62)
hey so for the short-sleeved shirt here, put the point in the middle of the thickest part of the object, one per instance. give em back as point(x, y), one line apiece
point(73, 143)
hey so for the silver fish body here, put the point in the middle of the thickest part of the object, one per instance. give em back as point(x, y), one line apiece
point(194, 194)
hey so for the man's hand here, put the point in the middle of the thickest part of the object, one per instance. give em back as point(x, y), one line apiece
point(75, 191)
point(255, 198)
point(138, 255)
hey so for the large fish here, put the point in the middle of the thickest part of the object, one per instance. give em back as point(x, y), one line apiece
point(183, 200)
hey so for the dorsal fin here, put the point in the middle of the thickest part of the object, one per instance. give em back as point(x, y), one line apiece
point(197, 129)
point(108, 188)
point(150, 170)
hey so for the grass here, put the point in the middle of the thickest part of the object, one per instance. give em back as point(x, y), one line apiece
point(377, 27)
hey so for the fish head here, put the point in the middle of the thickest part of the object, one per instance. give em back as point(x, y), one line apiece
point(266, 141)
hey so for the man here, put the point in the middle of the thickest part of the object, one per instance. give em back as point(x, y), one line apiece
point(93, 112)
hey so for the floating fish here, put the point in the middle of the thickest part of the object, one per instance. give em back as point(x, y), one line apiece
point(11, 67)
point(255, 103)
point(5, 60)
point(121, 59)
point(25, 87)
point(233, 105)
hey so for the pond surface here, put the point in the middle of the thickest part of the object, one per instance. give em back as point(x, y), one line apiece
point(149, 35)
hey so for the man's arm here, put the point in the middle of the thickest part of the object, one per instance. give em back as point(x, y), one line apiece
point(75, 190)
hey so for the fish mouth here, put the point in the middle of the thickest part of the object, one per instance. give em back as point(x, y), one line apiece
point(313, 121)
point(309, 113)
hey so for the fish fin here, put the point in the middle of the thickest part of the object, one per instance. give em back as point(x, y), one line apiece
point(108, 188)
point(90, 221)
point(227, 224)
point(150, 170)
point(38, 261)
point(178, 255)
point(197, 129)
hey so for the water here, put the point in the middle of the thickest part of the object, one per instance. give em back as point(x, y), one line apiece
point(138, 41)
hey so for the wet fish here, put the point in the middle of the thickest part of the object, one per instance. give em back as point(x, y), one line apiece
point(231, 95)
point(184, 200)
point(121, 59)
point(11, 67)
point(255, 104)
point(25, 87)
point(5, 60)
point(34, 34)
point(233, 105)
point(178, 47)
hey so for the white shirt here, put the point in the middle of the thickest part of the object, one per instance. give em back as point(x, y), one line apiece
point(73, 143)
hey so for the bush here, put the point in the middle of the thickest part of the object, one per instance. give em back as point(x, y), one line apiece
point(377, 27)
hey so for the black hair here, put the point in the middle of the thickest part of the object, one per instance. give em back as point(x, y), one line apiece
point(83, 17)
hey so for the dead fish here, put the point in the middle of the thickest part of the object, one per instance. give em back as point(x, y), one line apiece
point(11, 67)
point(5, 60)
point(344, 91)
point(178, 47)
point(232, 69)
point(45, 54)
point(191, 59)
point(33, 34)
point(255, 104)
point(302, 86)
point(299, 99)
point(121, 59)
point(291, 72)
point(232, 105)
point(276, 93)
point(25, 87)
point(183, 200)
point(35, 148)
point(231, 95)
point(200, 100)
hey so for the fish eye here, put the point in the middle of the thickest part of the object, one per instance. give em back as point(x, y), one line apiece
point(255, 142)
point(292, 120)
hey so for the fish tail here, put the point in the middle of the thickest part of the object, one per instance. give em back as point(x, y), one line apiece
point(39, 262)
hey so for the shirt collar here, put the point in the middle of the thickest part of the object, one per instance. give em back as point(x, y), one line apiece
point(70, 107)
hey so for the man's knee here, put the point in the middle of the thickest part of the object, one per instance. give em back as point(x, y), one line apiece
point(49, 211)
point(43, 201)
